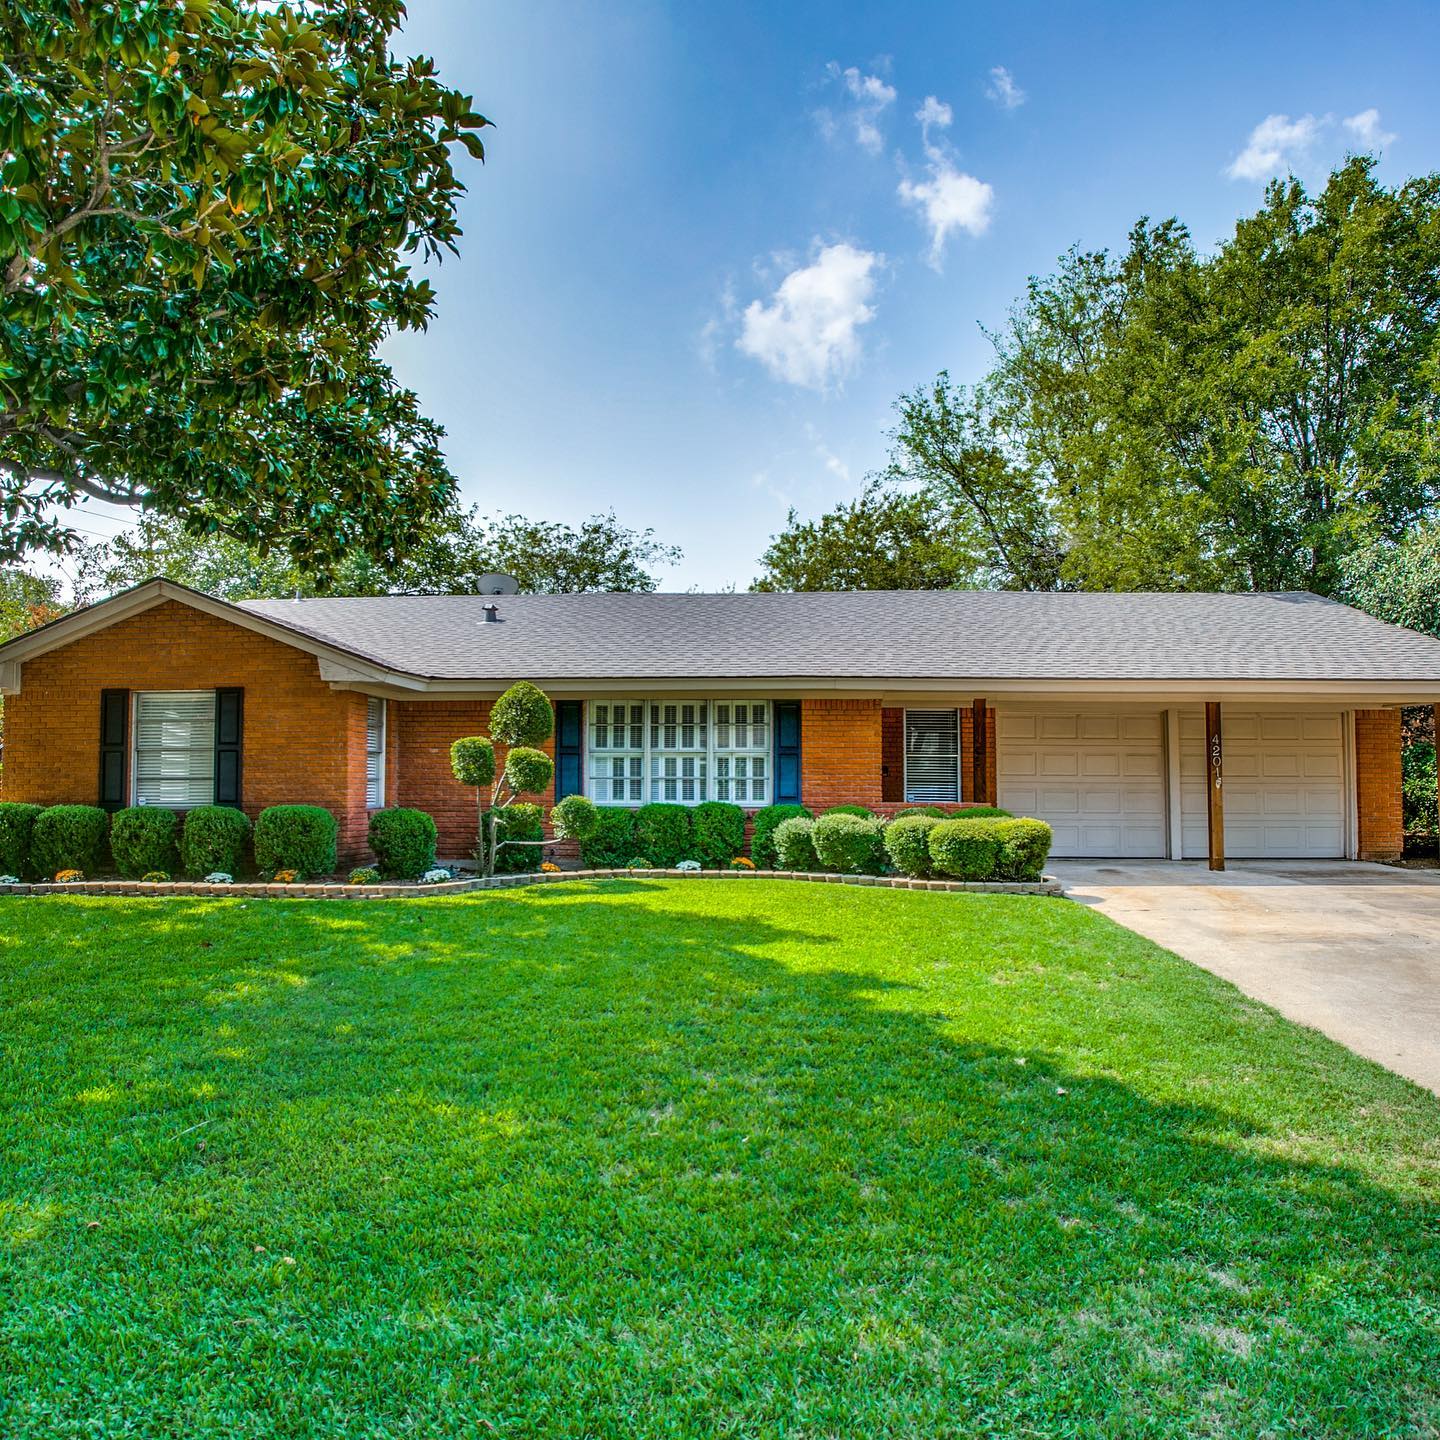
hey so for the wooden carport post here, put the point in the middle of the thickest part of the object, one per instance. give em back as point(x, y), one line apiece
point(979, 756)
point(1215, 768)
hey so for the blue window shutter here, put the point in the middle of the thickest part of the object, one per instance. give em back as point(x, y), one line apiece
point(569, 734)
point(787, 752)
point(229, 721)
point(114, 728)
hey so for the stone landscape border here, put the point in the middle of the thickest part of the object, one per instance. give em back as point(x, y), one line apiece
point(1048, 885)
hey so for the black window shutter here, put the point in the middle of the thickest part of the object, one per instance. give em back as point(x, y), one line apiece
point(787, 752)
point(114, 723)
point(229, 722)
point(569, 733)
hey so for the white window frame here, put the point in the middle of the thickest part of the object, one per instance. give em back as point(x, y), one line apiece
point(379, 788)
point(708, 756)
point(135, 748)
point(959, 755)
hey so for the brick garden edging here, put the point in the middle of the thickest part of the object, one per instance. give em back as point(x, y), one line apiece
point(1046, 886)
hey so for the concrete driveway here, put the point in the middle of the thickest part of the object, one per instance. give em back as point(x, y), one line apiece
point(1352, 950)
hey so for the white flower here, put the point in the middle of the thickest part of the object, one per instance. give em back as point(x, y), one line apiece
point(688, 865)
point(9, 879)
point(219, 877)
point(436, 877)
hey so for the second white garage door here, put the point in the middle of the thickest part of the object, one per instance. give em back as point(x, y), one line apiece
point(1098, 778)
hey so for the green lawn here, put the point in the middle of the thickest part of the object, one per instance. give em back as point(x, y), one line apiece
point(689, 1159)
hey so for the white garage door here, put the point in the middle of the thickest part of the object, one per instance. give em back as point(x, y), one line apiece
point(1097, 777)
point(1284, 784)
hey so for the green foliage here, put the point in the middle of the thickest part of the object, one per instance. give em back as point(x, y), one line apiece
point(795, 844)
point(143, 838)
point(527, 771)
point(519, 822)
point(719, 833)
point(17, 824)
point(664, 833)
point(612, 841)
point(979, 812)
point(403, 841)
point(1418, 788)
point(27, 601)
point(1398, 582)
point(364, 875)
point(522, 716)
point(763, 827)
point(859, 811)
point(1024, 848)
point(936, 812)
point(849, 844)
point(208, 228)
point(296, 837)
point(553, 559)
point(966, 849)
point(472, 761)
point(213, 839)
point(156, 877)
point(69, 837)
point(907, 843)
point(640, 862)
point(574, 818)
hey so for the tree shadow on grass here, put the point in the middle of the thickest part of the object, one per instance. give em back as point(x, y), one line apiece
point(617, 1161)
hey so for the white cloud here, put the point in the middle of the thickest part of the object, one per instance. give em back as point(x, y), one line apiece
point(1276, 143)
point(934, 115)
point(868, 98)
point(949, 200)
point(832, 462)
point(1365, 127)
point(808, 333)
point(1003, 90)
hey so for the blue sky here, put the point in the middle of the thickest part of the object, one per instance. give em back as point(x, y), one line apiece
point(620, 330)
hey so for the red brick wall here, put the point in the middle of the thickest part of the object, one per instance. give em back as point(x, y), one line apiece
point(840, 753)
point(1377, 784)
point(303, 743)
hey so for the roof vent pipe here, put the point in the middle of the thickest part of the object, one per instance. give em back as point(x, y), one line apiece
point(492, 612)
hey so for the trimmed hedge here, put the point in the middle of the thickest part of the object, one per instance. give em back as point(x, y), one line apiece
point(213, 839)
point(296, 837)
point(69, 837)
point(795, 844)
point(859, 811)
point(403, 841)
point(1003, 849)
point(719, 834)
point(850, 844)
point(1024, 848)
point(981, 812)
point(17, 824)
point(762, 835)
point(143, 840)
point(663, 834)
point(519, 822)
point(612, 842)
point(907, 842)
point(935, 812)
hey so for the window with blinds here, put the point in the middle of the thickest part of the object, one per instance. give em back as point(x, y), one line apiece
point(375, 754)
point(932, 756)
point(175, 748)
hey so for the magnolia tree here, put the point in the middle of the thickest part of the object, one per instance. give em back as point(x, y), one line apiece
point(521, 721)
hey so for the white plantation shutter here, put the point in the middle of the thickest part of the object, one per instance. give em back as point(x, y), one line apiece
point(375, 754)
point(932, 756)
point(175, 748)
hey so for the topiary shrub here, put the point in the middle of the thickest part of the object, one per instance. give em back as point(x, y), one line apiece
point(719, 833)
point(762, 834)
point(663, 833)
point(850, 844)
point(795, 844)
point(859, 811)
point(17, 824)
point(527, 771)
point(907, 843)
point(573, 818)
point(523, 715)
point(296, 837)
point(142, 839)
point(612, 842)
point(966, 849)
point(1024, 848)
point(213, 840)
point(403, 841)
point(519, 822)
point(69, 837)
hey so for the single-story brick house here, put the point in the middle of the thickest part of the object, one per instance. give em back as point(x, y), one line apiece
point(1139, 725)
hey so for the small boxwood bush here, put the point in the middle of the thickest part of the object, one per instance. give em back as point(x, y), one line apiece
point(719, 833)
point(519, 822)
point(762, 835)
point(850, 844)
point(936, 812)
point(795, 844)
point(966, 849)
point(296, 837)
point(17, 824)
point(859, 811)
point(213, 840)
point(143, 839)
point(69, 837)
point(573, 818)
point(907, 843)
point(1024, 848)
point(527, 771)
point(663, 833)
point(403, 841)
point(612, 842)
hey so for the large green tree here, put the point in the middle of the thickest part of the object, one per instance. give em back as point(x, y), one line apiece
point(207, 218)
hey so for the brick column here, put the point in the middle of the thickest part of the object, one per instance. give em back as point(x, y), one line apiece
point(1377, 785)
point(840, 750)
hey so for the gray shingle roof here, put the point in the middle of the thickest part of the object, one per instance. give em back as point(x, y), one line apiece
point(871, 635)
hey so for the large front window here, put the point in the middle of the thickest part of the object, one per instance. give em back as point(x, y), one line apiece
point(679, 751)
point(175, 748)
